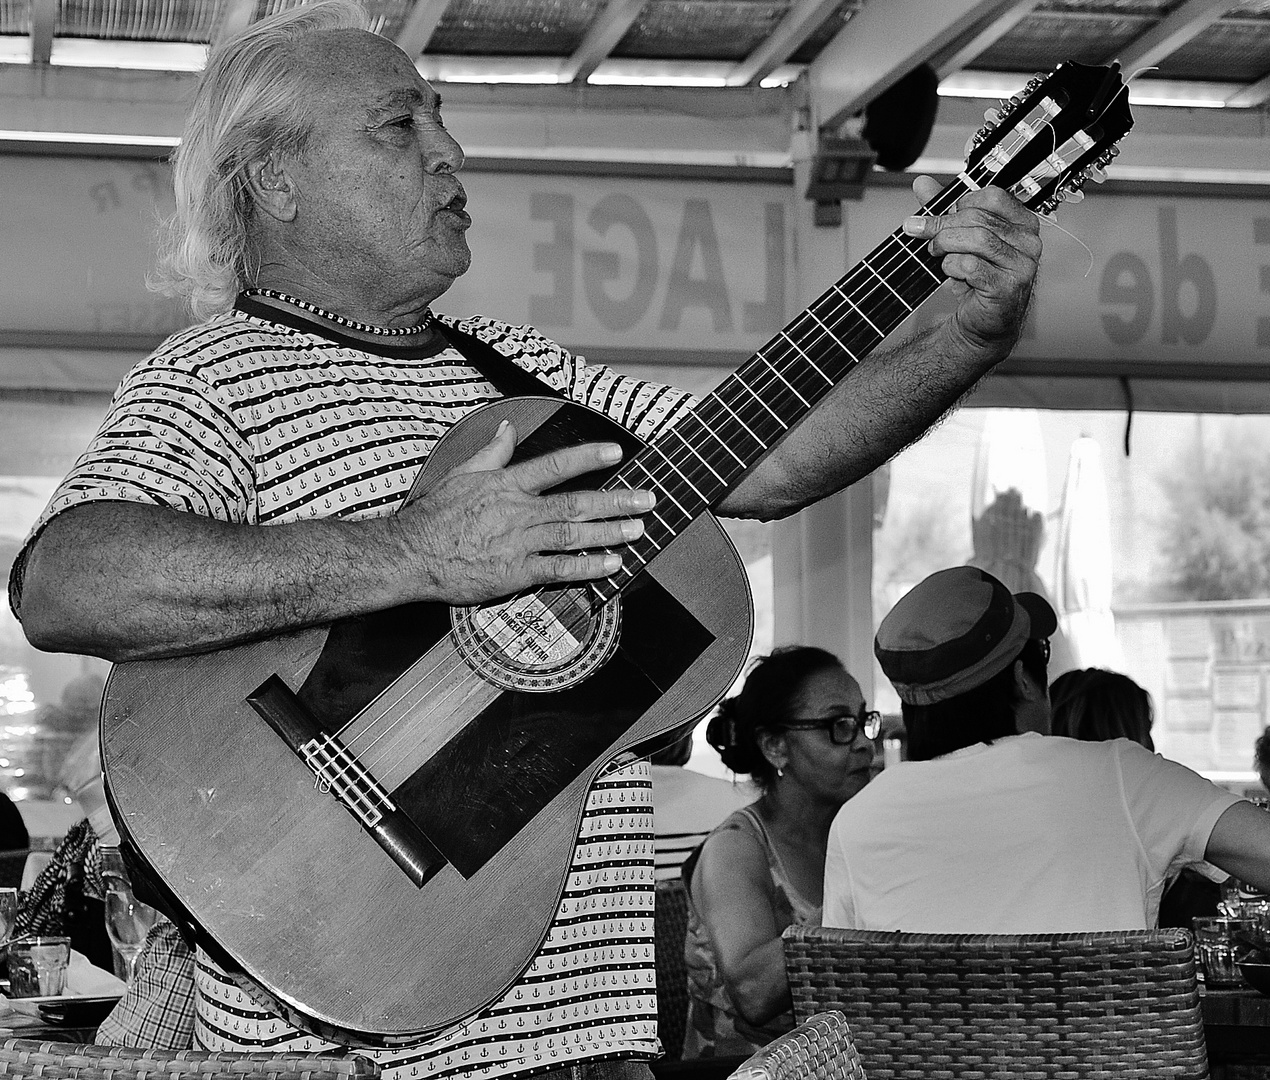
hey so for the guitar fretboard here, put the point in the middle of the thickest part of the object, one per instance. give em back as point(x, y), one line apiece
point(694, 465)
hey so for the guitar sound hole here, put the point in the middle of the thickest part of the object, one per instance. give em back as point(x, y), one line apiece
point(541, 640)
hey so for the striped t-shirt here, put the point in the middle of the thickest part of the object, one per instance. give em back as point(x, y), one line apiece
point(257, 417)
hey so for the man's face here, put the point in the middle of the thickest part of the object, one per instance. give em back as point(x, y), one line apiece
point(380, 213)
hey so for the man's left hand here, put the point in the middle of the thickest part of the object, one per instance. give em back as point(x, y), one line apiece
point(991, 247)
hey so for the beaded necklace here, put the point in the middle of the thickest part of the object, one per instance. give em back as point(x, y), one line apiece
point(351, 324)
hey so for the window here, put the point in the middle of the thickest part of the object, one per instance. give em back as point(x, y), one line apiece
point(1157, 560)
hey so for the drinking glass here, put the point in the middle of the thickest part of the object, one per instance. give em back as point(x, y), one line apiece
point(37, 966)
point(128, 920)
point(1216, 947)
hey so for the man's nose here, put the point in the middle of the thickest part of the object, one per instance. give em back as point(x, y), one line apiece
point(442, 152)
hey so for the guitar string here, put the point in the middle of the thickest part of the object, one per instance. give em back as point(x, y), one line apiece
point(909, 247)
point(907, 256)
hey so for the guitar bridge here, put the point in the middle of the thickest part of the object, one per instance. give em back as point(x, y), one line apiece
point(337, 772)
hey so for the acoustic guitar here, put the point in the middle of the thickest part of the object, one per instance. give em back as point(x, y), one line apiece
point(374, 820)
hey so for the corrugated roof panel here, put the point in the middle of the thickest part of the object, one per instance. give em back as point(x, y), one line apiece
point(138, 20)
point(15, 16)
point(701, 29)
point(814, 44)
point(514, 27)
point(1046, 38)
point(1231, 50)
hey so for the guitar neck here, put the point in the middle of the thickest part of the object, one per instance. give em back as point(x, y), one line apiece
point(691, 467)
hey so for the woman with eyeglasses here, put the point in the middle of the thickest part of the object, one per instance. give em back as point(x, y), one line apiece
point(800, 729)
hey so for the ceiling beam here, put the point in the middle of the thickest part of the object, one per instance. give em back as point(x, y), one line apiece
point(604, 34)
point(422, 23)
point(43, 24)
point(882, 44)
point(1252, 95)
point(1184, 22)
point(964, 53)
point(800, 22)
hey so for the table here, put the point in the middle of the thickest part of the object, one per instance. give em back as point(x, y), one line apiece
point(1236, 1026)
point(19, 1027)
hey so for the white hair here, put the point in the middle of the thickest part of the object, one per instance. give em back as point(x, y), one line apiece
point(253, 99)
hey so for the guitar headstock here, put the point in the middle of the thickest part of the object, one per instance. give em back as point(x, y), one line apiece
point(1058, 132)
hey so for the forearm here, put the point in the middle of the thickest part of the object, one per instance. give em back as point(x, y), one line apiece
point(126, 581)
point(758, 985)
point(1240, 844)
point(885, 403)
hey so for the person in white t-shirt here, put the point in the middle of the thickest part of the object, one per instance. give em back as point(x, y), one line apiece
point(995, 826)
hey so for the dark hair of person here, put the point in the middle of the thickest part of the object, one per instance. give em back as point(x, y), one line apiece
point(1261, 752)
point(765, 702)
point(13, 834)
point(980, 715)
point(1094, 705)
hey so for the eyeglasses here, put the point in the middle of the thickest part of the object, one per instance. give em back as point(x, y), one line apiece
point(842, 727)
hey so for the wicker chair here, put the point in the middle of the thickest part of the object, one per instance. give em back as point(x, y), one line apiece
point(820, 1049)
point(925, 1006)
point(671, 926)
point(79, 1061)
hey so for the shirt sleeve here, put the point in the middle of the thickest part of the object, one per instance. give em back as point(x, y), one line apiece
point(167, 440)
point(1172, 808)
point(839, 905)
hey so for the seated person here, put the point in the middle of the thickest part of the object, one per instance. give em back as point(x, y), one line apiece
point(686, 805)
point(13, 832)
point(992, 827)
point(68, 895)
point(1095, 704)
point(1261, 758)
point(801, 730)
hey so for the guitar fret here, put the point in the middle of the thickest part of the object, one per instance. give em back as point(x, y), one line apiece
point(669, 494)
point(680, 472)
point(837, 341)
point(754, 394)
point(804, 356)
point(912, 254)
point(693, 450)
point(865, 264)
point(856, 308)
point(743, 424)
point(717, 438)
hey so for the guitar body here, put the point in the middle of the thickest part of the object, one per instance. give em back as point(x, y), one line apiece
point(487, 783)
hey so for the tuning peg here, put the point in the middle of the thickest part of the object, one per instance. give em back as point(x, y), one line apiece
point(1072, 195)
point(1097, 174)
point(993, 116)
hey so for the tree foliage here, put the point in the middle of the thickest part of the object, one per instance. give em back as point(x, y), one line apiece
point(1216, 540)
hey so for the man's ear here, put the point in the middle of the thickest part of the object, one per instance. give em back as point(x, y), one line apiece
point(271, 187)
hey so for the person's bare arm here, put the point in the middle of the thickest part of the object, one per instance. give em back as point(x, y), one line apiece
point(732, 893)
point(126, 581)
point(1240, 844)
point(991, 247)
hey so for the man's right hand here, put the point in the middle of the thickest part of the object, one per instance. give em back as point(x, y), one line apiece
point(487, 530)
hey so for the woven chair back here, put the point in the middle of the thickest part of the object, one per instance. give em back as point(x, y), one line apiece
point(925, 1006)
point(671, 927)
point(77, 1061)
point(818, 1049)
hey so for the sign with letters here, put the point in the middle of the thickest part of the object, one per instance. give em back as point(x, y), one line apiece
point(681, 268)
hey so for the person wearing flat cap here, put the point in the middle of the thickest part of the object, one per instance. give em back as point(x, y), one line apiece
point(994, 826)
